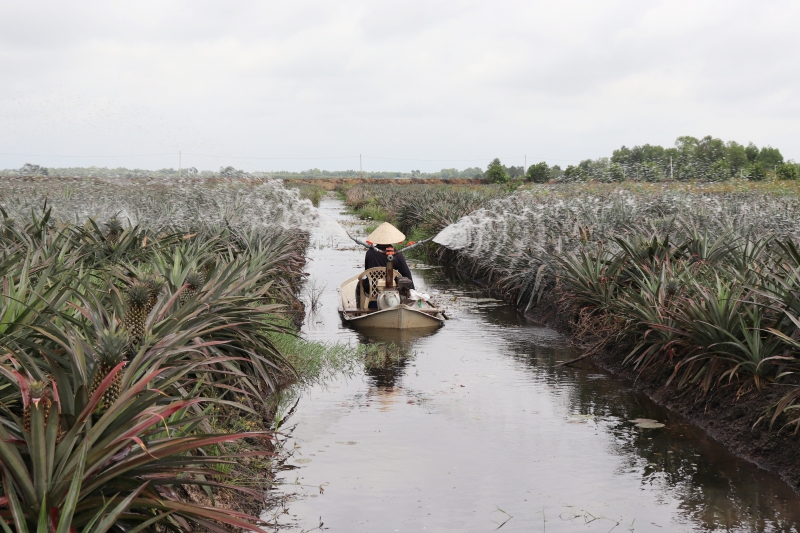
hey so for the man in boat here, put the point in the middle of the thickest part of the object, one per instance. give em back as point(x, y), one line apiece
point(384, 236)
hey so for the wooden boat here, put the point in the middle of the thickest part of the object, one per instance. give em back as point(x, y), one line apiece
point(408, 314)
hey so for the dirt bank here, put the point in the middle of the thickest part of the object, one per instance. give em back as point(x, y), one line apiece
point(724, 417)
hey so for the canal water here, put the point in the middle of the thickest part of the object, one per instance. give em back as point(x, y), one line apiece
point(479, 430)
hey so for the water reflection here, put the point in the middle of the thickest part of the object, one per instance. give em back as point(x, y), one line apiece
point(477, 416)
point(716, 491)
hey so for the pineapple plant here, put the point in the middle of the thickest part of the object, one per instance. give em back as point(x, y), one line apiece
point(136, 315)
point(38, 398)
point(193, 281)
point(111, 349)
point(154, 285)
point(114, 228)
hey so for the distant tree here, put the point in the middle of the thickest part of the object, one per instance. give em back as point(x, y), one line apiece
point(687, 145)
point(471, 172)
point(710, 149)
point(230, 172)
point(756, 172)
point(622, 156)
point(574, 173)
point(736, 156)
point(32, 170)
point(416, 174)
point(556, 172)
point(787, 171)
point(752, 152)
point(538, 173)
point(648, 152)
point(769, 157)
point(448, 173)
point(191, 171)
point(496, 172)
point(514, 172)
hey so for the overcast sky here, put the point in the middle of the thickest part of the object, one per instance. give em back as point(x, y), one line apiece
point(424, 84)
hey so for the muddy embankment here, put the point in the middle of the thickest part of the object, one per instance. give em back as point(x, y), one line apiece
point(331, 183)
point(724, 417)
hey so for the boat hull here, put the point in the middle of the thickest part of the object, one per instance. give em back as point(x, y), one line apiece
point(398, 317)
point(419, 315)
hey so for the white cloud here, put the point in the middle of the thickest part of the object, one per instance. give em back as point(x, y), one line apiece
point(456, 80)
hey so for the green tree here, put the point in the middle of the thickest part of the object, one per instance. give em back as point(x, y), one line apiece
point(622, 156)
point(687, 145)
point(496, 172)
point(514, 172)
point(556, 172)
point(752, 152)
point(29, 169)
point(471, 172)
point(770, 157)
point(649, 152)
point(736, 156)
point(573, 173)
point(787, 171)
point(710, 149)
point(538, 173)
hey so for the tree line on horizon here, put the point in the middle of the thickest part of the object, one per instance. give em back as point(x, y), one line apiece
point(706, 159)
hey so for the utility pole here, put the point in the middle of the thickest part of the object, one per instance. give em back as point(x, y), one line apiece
point(179, 165)
point(360, 168)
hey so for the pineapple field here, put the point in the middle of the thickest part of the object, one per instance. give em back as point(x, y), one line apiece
point(140, 332)
point(691, 289)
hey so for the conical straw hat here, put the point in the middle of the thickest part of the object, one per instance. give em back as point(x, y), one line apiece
point(386, 234)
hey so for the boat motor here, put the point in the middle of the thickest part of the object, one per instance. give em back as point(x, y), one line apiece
point(388, 298)
point(388, 295)
point(404, 285)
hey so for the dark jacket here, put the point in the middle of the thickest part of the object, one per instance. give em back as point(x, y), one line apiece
point(376, 259)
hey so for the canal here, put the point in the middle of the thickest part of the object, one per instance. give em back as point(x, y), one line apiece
point(478, 429)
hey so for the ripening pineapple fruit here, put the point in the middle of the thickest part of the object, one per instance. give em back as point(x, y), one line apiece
point(154, 285)
point(136, 314)
point(38, 398)
point(114, 228)
point(672, 288)
point(193, 281)
point(111, 349)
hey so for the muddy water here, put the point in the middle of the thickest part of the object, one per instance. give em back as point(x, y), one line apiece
point(480, 429)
